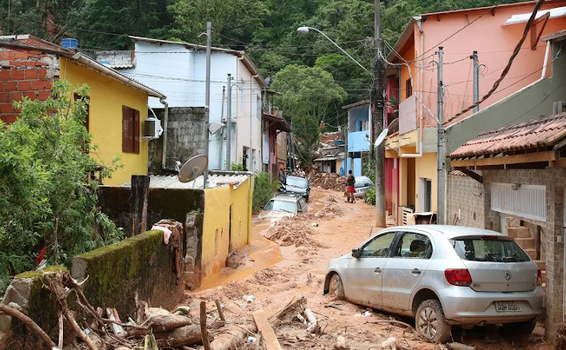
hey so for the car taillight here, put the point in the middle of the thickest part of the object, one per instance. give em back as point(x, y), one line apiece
point(458, 277)
point(539, 277)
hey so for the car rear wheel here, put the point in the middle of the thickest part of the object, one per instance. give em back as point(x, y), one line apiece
point(336, 288)
point(526, 327)
point(431, 323)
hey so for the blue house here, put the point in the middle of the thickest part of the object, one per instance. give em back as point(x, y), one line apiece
point(358, 139)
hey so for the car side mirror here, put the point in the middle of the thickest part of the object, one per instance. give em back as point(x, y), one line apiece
point(356, 253)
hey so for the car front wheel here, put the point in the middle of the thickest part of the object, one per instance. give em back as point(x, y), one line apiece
point(431, 323)
point(336, 288)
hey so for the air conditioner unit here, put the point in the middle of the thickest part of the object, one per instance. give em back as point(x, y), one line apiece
point(152, 128)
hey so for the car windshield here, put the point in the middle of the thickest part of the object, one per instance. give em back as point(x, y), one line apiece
point(490, 249)
point(297, 182)
point(290, 207)
point(362, 182)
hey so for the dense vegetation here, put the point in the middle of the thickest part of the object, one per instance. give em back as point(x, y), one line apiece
point(46, 198)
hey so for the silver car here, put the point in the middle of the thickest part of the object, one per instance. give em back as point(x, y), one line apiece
point(442, 276)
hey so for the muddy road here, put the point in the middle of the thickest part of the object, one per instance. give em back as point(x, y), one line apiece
point(272, 273)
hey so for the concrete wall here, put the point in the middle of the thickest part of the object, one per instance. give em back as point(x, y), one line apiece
point(140, 268)
point(107, 97)
point(555, 181)
point(465, 199)
point(425, 168)
point(533, 102)
point(186, 137)
point(227, 225)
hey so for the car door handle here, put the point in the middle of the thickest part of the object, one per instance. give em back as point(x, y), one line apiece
point(377, 270)
point(416, 271)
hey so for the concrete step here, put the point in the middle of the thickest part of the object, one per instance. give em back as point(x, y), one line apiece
point(541, 264)
point(532, 253)
point(519, 232)
point(526, 243)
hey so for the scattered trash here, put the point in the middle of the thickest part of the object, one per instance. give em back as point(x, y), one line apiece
point(302, 319)
point(366, 313)
point(312, 321)
point(252, 340)
point(183, 310)
point(335, 307)
point(314, 224)
point(166, 232)
point(249, 298)
point(341, 344)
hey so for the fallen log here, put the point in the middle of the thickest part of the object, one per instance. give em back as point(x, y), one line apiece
point(232, 337)
point(162, 323)
point(203, 330)
point(30, 323)
point(186, 335)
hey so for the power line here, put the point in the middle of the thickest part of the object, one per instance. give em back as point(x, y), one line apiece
point(508, 67)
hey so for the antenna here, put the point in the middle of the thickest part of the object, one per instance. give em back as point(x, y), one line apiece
point(381, 137)
point(193, 168)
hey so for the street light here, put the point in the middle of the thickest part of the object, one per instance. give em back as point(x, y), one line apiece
point(306, 29)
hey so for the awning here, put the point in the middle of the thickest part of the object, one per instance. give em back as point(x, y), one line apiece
point(279, 123)
point(523, 18)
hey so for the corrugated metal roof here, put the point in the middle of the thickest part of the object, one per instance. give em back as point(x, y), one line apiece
point(214, 180)
point(545, 132)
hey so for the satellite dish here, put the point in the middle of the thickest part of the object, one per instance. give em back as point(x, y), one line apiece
point(381, 137)
point(193, 168)
point(214, 127)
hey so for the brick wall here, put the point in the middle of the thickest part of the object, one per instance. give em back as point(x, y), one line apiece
point(465, 198)
point(24, 73)
point(555, 181)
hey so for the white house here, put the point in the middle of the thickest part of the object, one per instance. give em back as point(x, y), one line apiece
point(178, 70)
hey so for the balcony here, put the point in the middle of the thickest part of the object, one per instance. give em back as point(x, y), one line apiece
point(358, 141)
point(408, 115)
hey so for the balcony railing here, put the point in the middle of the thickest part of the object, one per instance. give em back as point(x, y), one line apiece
point(408, 115)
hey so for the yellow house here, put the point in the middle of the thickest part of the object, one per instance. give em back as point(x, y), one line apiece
point(116, 115)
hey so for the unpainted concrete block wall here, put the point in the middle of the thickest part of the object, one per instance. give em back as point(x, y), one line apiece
point(465, 197)
point(186, 137)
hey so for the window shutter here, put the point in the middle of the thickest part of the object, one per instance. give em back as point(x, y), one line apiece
point(126, 130)
point(136, 130)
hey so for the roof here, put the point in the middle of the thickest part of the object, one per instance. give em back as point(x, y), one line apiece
point(449, 231)
point(558, 36)
point(278, 122)
point(242, 54)
point(116, 59)
point(32, 41)
point(215, 179)
point(545, 132)
point(91, 64)
point(357, 104)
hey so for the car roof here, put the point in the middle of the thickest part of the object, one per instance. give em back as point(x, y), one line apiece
point(297, 177)
point(449, 231)
point(362, 178)
point(285, 198)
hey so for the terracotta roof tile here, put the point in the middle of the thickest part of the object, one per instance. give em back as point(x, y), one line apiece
point(543, 132)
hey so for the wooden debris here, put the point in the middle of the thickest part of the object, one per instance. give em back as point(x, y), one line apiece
point(219, 308)
point(181, 336)
point(264, 327)
point(459, 346)
point(28, 322)
point(313, 323)
point(203, 330)
point(231, 338)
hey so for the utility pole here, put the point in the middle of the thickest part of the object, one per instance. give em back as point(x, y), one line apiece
point(476, 80)
point(291, 148)
point(229, 125)
point(377, 107)
point(440, 150)
point(207, 95)
point(221, 134)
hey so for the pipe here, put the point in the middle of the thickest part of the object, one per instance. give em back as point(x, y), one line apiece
point(165, 120)
point(420, 133)
point(546, 52)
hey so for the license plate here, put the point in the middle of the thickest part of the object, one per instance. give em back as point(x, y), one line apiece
point(507, 306)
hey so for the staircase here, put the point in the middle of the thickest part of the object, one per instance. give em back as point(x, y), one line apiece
point(531, 245)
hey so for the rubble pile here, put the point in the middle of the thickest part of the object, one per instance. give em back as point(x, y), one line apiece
point(292, 232)
point(326, 181)
point(329, 210)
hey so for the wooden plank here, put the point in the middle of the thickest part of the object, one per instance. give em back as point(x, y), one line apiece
point(473, 175)
point(547, 156)
point(264, 327)
point(138, 203)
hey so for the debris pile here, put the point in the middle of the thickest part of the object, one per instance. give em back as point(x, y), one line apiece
point(561, 336)
point(329, 210)
point(333, 182)
point(154, 328)
point(290, 231)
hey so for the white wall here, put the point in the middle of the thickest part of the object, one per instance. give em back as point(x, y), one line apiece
point(180, 74)
point(248, 129)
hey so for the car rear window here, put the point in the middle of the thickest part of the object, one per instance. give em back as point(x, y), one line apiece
point(489, 249)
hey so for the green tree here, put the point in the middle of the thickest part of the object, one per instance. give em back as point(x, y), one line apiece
point(46, 198)
point(307, 94)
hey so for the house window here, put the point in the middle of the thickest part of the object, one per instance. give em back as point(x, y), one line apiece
point(86, 99)
point(130, 130)
point(408, 88)
point(363, 125)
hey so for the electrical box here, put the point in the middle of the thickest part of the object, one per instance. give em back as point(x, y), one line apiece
point(152, 128)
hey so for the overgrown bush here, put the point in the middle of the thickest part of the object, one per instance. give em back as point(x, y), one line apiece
point(46, 198)
point(263, 190)
point(370, 195)
point(237, 167)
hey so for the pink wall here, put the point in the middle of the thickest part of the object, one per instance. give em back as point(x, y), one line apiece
point(494, 44)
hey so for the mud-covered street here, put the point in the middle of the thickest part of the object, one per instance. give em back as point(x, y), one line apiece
point(273, 273)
